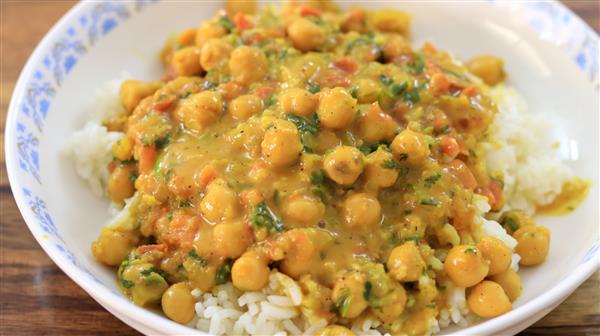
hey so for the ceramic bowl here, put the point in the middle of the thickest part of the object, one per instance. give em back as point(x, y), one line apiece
point(550, 55)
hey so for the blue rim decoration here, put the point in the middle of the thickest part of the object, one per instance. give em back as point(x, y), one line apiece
point(551, 20)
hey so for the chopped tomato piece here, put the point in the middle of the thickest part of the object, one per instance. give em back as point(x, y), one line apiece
point(450, 147)
point(242, 22)
point(111, 166)
point(309, 11)
point(264, 92)
point(146, 159)
point(164, 102)
point(152, 247)
point(207, 174)
point(470, 91)
point(347, 64)
point(439, 83)
point(182, 231)
point(462, 172)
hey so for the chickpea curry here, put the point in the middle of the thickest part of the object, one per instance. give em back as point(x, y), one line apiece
point(321, 143)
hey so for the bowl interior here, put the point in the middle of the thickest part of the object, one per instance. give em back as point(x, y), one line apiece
point(548, 80)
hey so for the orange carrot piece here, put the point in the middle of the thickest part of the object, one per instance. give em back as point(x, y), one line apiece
point(347, 64)
point(450, 147)
point(470, 91)
point(206, 174)
point(439, 83)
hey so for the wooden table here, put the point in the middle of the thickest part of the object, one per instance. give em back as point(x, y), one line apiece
point(36, 297)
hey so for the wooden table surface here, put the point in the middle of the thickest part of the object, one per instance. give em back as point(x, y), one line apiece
point(36, 297)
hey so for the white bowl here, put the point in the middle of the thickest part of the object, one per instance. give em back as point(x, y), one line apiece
point(543, 46)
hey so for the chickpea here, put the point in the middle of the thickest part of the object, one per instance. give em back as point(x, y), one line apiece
point(497, 253)
point(488, 299)
point(147, 286)
point(411, 145)
point(376, 174)
point(281, 146)
point(200, 110)
point(335, 330)
point(231, 239)
point(395, 46)
point(348, 292)
point(209, 30)
point(395, 304)
point(344, 164)
point(248, 64)
point(361, 210)
point(489, 68)
point(510, 281)
point(219, 202)
point(112, 246)
point(376, 125)
point(306, 35)
point(405, 262)
point(133, 91)
point(178, 303)
point(303, 209)
point(465, 265)
point(514, 219)
point(186, 61)
point(298, 101)
point(214, 53)
point(123, 148)
point(367, 91)
point(299, 255)
point(391, 20)
point(336, 109)
point(245, 106)
point(533, 243)
point(250, 272)
point(120, 183)
point(236, 6)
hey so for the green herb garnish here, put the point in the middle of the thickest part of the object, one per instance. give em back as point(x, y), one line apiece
point(261, 216)
point(417, 67)
point(342, 304)
point(385, 79)
point(126, 283)
point(226, 22)
point(429, 201)
point(431, 180)
point(197, 258)
point(470, 251)
point(313, 87)
point(223, 273)
point(302, 124)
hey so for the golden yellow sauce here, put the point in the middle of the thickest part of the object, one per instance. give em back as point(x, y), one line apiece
point(313, 141)
point(572, 194)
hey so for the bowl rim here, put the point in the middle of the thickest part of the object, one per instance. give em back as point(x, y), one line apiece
point(143, 316)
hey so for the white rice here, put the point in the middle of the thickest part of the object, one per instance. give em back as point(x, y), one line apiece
point(518, 150)
point(524, 153)
point(90, 147)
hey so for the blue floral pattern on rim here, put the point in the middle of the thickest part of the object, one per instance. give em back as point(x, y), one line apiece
point(43, 86)
point(547, 18)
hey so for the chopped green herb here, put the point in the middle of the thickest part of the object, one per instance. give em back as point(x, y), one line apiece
point(186, 94)
point(412, 238)
point(431, 180)
point(226, 22)
point(354, 90)
point(302, 124)
point(397, 89)
point(412, 96)
point(403, 156)
point(470, 251)
point(313, 87)
point(223, 273)
point(126, 283)
point(431, 305)
point(197, 258)
point(270, 101)
point(342, 304)
point(368, 149)
point(429, 201)
point(261, 216)
point(391, 164)
point(418, 66)
point(357, 42)
point(317, 177)
point(368, 292)
point(385, 79)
